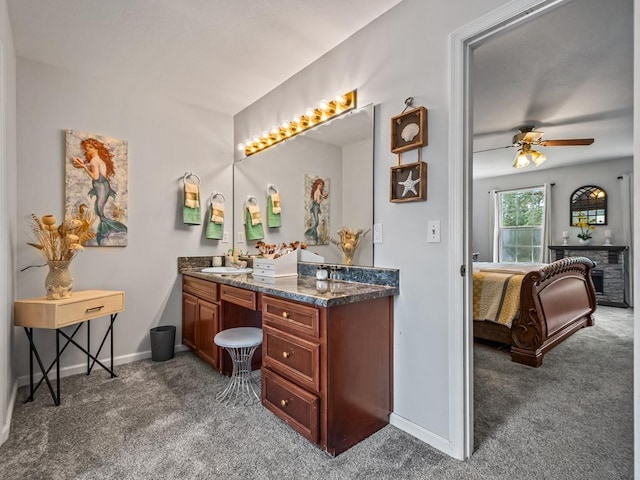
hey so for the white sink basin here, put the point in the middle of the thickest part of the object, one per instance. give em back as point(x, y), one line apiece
point(226, 270)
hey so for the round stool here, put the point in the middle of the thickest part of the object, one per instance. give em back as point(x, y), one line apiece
point(241, 343)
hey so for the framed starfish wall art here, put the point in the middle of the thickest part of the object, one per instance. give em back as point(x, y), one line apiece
point(408, 182)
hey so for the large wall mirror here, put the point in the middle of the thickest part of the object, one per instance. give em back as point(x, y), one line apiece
point(588, 204)
point(340, 152)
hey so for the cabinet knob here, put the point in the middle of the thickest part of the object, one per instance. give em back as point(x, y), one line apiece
point(284, 402)
point(285, 314)
point(286, 354)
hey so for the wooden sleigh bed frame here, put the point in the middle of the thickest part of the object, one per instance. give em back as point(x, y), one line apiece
point(555, 301)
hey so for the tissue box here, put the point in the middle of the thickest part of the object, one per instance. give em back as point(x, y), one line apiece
point(285, 266)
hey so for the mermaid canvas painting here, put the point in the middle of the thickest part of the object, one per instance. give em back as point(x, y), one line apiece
point(96, 174)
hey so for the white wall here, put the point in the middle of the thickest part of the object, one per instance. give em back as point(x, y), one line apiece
point(636, 231)
point(166, 139)
point(567, 180)
point(403, 53)
point(7, 218)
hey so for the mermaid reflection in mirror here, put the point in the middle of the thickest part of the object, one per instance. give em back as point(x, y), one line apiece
point(317, 196)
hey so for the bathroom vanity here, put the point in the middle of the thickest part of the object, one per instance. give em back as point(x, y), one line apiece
point(326, 356)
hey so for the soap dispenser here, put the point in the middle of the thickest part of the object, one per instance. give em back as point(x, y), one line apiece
point(322, 273)
point(336, 273)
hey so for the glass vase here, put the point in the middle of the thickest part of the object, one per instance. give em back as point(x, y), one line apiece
point(584, 241)
point(347, 258)
point(59, 281)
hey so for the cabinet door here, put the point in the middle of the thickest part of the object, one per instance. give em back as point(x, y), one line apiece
point(206, 329)
point(189, 316)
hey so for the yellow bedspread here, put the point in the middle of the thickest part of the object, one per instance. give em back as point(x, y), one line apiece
point(496, 296)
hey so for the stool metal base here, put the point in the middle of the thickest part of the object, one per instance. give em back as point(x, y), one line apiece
point(241, 389)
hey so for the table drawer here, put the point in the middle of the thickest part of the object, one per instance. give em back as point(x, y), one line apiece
point(295, 406)
point(87, 309)
point(239, 296)
point(291, 316)
point(200, 288)
point(81, 306)
point(292, 357)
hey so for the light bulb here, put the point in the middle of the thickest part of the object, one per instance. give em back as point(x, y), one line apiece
point(537, 158)
point(520, 160)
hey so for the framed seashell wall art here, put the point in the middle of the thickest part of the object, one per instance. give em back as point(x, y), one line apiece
point(409, 130)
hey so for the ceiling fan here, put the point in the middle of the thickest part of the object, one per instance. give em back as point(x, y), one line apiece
point(529, 137)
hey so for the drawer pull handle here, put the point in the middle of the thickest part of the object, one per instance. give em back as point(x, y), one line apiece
point(284, 403)
point(286, 354)
point(94, 309)
point(285, 314)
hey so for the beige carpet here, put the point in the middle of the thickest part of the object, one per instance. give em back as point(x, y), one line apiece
point(569, 419)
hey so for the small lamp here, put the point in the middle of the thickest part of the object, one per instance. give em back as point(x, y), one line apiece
point(607, 238)
point(565, 238)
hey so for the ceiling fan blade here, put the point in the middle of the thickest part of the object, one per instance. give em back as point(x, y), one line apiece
point(567, 143)
point(496, 148)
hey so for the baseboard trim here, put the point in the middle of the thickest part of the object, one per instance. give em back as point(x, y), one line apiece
point(6, 428)
point(421, 433)
point(82, 367)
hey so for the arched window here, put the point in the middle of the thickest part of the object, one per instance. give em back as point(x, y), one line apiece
point(588, 203)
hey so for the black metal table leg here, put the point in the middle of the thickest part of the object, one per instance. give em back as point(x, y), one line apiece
point(88, 346)
point(58, 364)
point(113, 319)
point(45, 373)
point(30, 364)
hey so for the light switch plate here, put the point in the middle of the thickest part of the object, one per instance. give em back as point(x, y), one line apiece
point(377, 233)
point(240, 237)
point(225, 237)
point(433, 231)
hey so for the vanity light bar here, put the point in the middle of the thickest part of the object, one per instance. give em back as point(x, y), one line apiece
point(326, 110)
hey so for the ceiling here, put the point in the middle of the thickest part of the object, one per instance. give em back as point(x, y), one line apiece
point(220, 54)
point(570, 73)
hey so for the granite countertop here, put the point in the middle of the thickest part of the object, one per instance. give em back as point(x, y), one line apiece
point(301, 288)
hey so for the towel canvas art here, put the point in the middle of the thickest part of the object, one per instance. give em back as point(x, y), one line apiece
point(316, 208)
point(97, 175)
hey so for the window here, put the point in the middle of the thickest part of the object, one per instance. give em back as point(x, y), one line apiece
point(521, 224)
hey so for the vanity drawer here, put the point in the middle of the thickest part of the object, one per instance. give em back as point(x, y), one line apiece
point(239, 296)
point(291, 316)
point(293, 357)
point(295, 406)
point(200, 288)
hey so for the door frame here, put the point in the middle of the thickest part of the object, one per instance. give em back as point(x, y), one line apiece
point(461, 44)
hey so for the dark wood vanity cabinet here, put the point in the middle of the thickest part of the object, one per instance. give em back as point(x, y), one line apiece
point(208, 308)
point(200, 318)
point(327, 372)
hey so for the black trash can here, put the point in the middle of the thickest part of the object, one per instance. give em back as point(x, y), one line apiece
point(163, 339)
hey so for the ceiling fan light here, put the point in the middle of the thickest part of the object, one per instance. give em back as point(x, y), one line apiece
point(538, 158)
point(520, 160)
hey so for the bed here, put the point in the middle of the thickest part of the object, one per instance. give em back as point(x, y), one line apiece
point(532, 307)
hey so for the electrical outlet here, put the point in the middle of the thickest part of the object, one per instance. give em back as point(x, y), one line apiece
point(225, 237)
point(377, 233)
point(433, 231)
point(240, 237)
